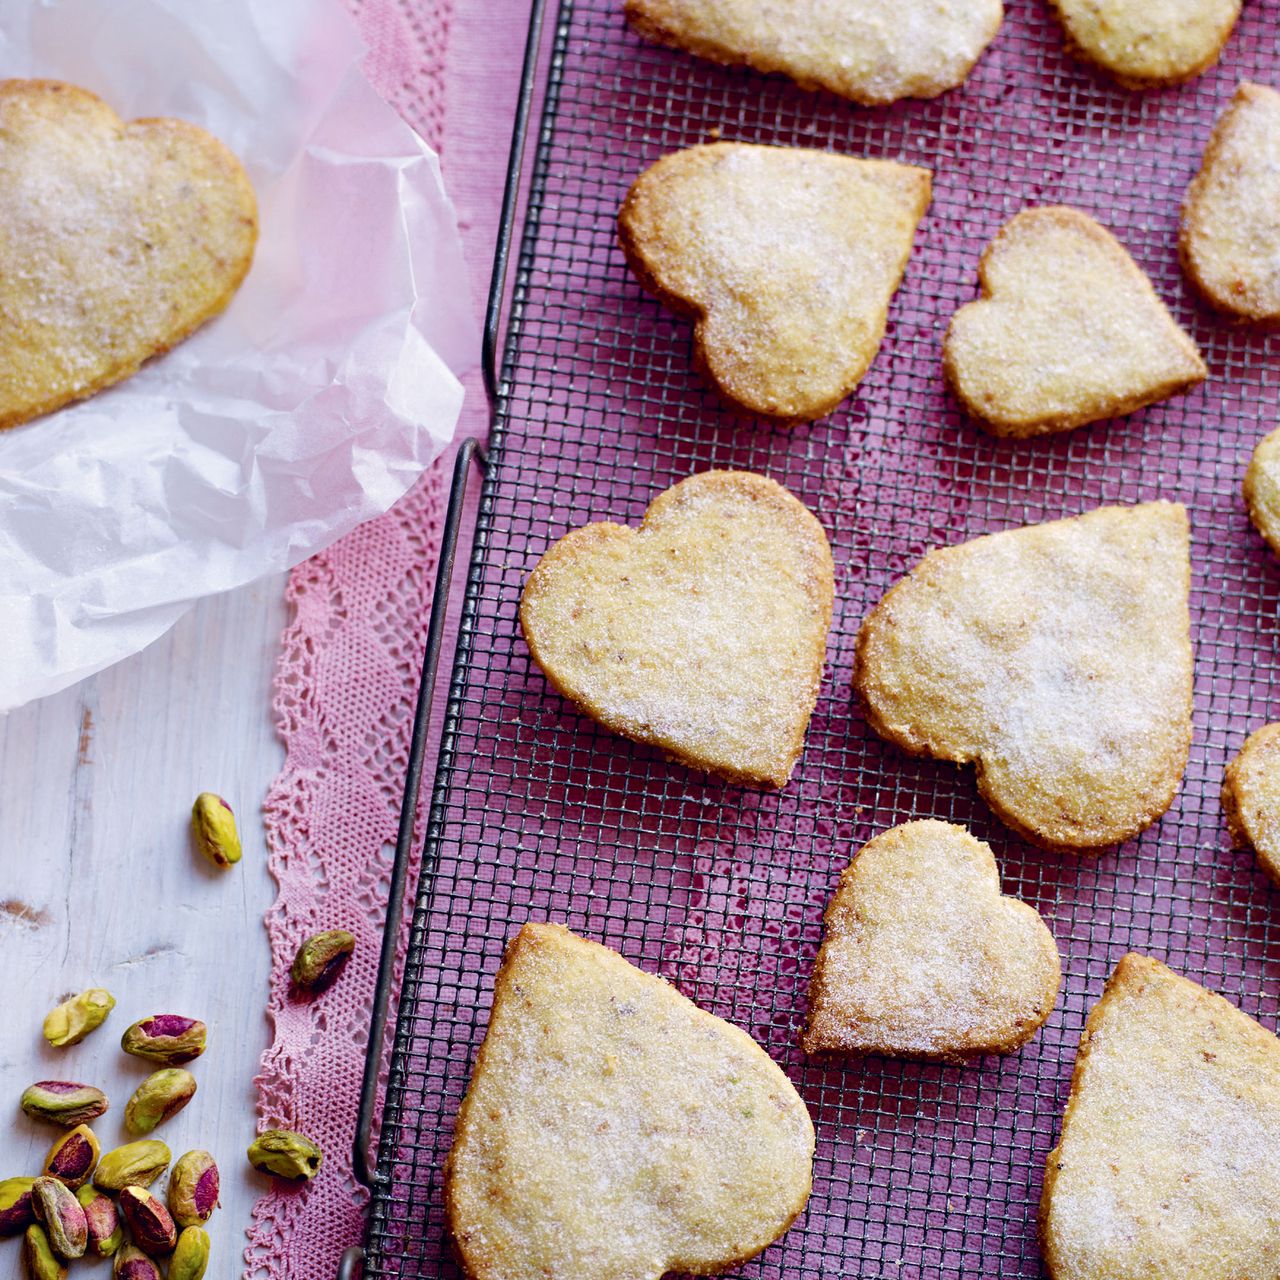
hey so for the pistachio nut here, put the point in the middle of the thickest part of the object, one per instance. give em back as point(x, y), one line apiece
point(190, 1255)
point(106, 1234)
point(162, 1094)
point(63, 1102)
point(73, 1019)
point(60, 1213)
point(16, 1211)
point(321, 959)
point(214, 825)
point(136, 1164)
point(168, 1038)
point(41, 1262)
point(285, 1154)
point(148, 1221)
point(73, 1158)
point(132, 1264)
point(193, 1189)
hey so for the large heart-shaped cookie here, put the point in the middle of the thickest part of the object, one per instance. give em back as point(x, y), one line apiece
point(872, 51)
point(1230, 240)
point(924, 957)
point(1251, 797)
point(1168, 1167)
point(1057, 658)
point(702, 632)
point(786, 259)
point(116, 241)
point(613, 1130)
point(1068, 330)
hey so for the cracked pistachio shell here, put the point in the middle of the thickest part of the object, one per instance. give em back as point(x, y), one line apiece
point(63, 1102)
point(214, 825)
point(74, 1157)
point(39, 1258)
point(132, 1264)
point(16, 1210)
point(148, 1221)
point(321, 959)
point(285, 1154)
point(167, 1038)
point(193, 1189)
point(73, 1019)
point(161, 1095)
point(136, 1164)
point(61, 1215)
point(190, 1255)
point(106, 1235)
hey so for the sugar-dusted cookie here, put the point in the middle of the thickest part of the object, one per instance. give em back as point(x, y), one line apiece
point(1168, 1166)
point(1057, 658)
point(1230, 241)
point(785, 258)
point(1261, 489)
point(924, 957)
point(1146, 43)
point(613, 1130)
point(702, 632)
point(1251, 797)
point(1068, 330)
point(872, 51)
point(116, 241)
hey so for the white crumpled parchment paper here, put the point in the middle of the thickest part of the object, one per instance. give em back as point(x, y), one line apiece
point(310, 405)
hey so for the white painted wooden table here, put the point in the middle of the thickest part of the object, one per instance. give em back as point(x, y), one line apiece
point(99, 885)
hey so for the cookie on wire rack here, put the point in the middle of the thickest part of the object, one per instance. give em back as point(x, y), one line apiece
point(614, 1130)
point(1251, 797)
point(1261, 488)
point(924, 957)
point(786, 258)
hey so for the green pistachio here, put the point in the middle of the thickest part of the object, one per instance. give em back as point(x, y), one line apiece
point(214, 826)
point(42, 1263)
point(193, 1189)
point(148, 1221)
point(106, 1235)
point(63, 1102)
point(16, 1211)
point(62, 1217)
point(132, 1264)
point(73, 1019)
point(167, 1038)
point(161, 1095)
point(190, 1255)
point(73, 1158)
point(286, 1155)
point(136, 1164)
point(321, 959)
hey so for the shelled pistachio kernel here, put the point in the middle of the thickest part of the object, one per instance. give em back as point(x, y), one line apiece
point(38, 1255)
point(161, 1095)
point(190, 1255)
point(148, 1220)
point(285, 1154)
point(132, 1264)
point(321, 959)
point(106, 1235)
point(167, 1038)
point(136, 1164)
point(74, 1157)
point(17, 1212)
point(73, 1019)
point(63, 1102)
point(213, 823)
point(61, 1215)
point(194, 1186)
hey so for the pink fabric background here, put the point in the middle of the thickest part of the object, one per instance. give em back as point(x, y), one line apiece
point(348, 671)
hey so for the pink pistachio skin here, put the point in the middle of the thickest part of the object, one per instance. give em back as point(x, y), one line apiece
point(20, 1213)
point(148, 1220)
point(168, 1038)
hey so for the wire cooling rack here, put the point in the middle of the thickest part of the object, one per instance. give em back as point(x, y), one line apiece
point(921, 1171)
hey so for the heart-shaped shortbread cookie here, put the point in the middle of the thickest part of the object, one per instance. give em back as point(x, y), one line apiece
point(1146, 43)
point(1230, 239)
point(872, 51)
point(116, 241)
point(613, 1130)
point(924, 957)
point(786, 258)
point(702, 632)
point(1057, 658)
point(1068, 330)
point(1251, 797)
point(1167, 1164)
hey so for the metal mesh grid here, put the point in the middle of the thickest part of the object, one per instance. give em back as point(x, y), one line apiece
point(538, 813)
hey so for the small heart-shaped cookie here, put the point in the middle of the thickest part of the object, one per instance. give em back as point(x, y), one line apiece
point(872, 51)
point(1251, 797)
point(702, 632)
point(613, 1130)
point(1167, 1166)
point(1230, 240)
point(786, 258)
point(1261, 488)
point(1057, 658)
point(1068, 330)
point(116, 241)
point(924, 957)
point(1147, 43)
